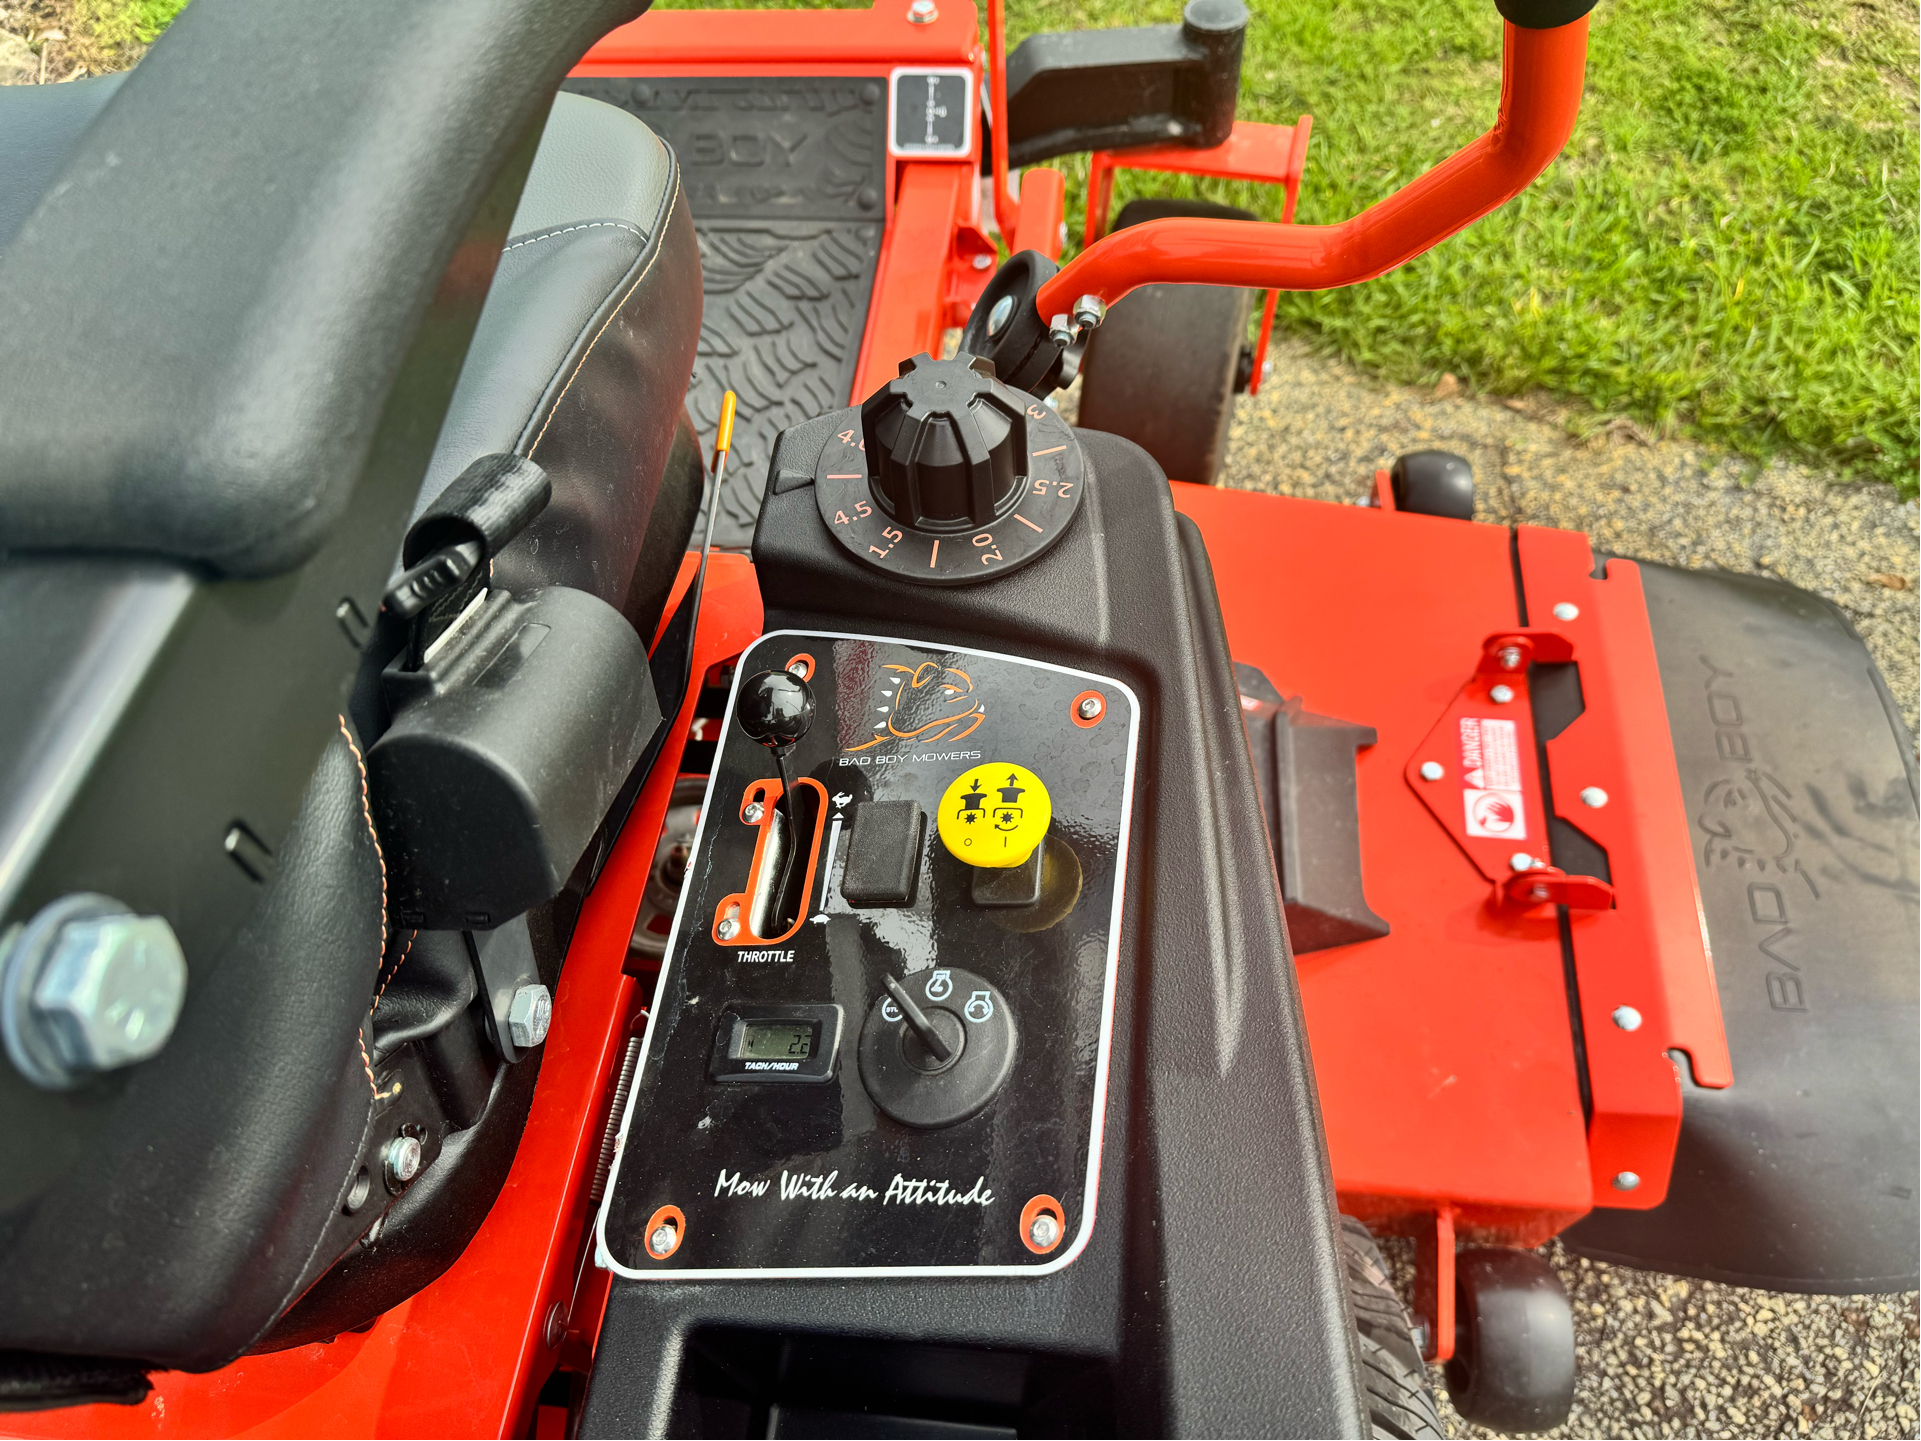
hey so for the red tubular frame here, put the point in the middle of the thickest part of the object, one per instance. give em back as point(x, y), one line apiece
point(1542, 72)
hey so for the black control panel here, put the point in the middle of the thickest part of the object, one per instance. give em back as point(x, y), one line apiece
point(881, 1035)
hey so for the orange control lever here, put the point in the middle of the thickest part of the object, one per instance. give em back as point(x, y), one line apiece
point(1542, 72)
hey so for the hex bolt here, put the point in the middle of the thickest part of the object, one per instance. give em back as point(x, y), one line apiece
point(1521, 861)
point(1509, 656)
point(727, 930)
point(401, 1162)
point(1432, 770)
point(1089, 707)
point(922, 12)
point(998, 317)
point(1593, 796)
point(753, 813)
point(1060, 330)
point(1089, 311)
point(1501, 694)
point(1566, 610)
point(1044, 1230)
point(86, 986)
point(1626, 1180)
point(1627, 1018)
point(528, 1015)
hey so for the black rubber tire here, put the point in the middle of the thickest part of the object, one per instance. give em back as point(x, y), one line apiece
point(1160, 369)
point(1399, 1402)
point(1513, 1366)
point(1434, 482)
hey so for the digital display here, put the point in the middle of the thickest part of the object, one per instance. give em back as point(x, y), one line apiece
point(774, 1041)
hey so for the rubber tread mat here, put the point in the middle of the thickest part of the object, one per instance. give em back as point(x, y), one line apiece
point(785, 177)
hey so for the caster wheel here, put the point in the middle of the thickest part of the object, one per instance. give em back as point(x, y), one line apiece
point(1164, 367)
point(1513, 1366)
point(1434, 482)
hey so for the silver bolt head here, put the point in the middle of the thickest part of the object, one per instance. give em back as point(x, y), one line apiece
point(1539, 893)
point(1521, 861)
point(923, 12)
point(112, 992)
point(1044, 1230)
point(1509, 657)
point(403, 1160)
point(663, 1241)
point(1432, 770)
point(1566, 610)
point(1593, 796)
point(983, 261)
point(528, 1015)
point(1089, 311)
point(1626, 1180)
point(1090, 707)
point(753, 813)
point(728, 930)
point(998, 317)
point(1627, 1018)
point(1501, 694)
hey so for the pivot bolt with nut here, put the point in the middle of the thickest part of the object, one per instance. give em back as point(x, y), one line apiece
point(1432, 770)
point(401, 1162)
point(1089, 311)
point(1060, 330)
point(528, 1015)
point(86, 986)
point(1501, 694)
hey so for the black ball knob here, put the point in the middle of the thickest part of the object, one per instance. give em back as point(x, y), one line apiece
point(946, 444)
point(776, 708)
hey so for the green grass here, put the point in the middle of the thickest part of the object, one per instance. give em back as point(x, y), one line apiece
point(1728, 247)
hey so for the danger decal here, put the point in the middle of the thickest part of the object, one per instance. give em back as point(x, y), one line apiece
point(1491, 793)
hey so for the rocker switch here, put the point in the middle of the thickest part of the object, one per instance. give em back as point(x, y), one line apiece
point(883, 854)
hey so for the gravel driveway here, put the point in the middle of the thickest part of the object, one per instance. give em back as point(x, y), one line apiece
point(1659, 1356)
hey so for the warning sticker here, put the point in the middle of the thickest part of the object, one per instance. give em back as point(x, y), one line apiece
point(1491, 794)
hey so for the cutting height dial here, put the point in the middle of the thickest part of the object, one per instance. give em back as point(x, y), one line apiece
point(946, 476)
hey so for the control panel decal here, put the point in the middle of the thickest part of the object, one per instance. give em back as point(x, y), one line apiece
point(912, 1080)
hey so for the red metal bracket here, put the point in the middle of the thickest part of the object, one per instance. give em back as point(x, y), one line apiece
point(1265, 154)
point(1646, 981)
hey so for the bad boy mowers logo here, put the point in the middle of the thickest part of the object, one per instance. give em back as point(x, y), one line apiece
point(930, 704)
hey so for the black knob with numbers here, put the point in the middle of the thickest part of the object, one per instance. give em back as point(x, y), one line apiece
point(947, 476)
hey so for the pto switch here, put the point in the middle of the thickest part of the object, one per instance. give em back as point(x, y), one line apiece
point(995, 816)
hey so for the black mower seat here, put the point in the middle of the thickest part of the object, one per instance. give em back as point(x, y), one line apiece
point(580, 360)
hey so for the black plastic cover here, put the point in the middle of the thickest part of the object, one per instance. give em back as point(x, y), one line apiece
point(1799, 779)
point(1543, 14)
point(505, 752)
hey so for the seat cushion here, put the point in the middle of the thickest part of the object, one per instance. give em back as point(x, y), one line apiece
point(41, 124)
point(583, 354)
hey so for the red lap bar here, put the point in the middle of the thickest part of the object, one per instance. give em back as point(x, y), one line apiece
point(1542, 73)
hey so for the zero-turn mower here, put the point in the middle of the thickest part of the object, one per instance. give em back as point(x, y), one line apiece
point(604, 832)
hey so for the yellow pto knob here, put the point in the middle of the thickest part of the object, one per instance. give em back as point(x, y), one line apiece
point(995, 815)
